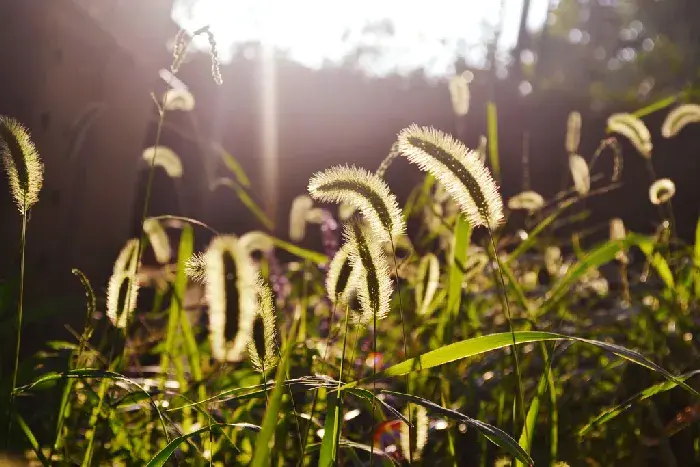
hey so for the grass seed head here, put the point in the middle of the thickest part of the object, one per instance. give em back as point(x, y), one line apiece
point(25, 171)
point(661, 191)
point(461, 172)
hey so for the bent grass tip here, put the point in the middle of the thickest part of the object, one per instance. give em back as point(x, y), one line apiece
point(458, 169)
point(365, 191)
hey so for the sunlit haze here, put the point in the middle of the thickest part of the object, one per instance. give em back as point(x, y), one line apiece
point(427, 35)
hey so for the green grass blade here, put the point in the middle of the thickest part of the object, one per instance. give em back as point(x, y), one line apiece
point(462, 236)
point(528, 433)
point(651, 391)
point(647, 245)
point(313, 256)
point(233, 165)
point(482, 344)
point(162, 457)
point(32, 440)
point(492, 130)
point(264, 442)
point(497, 436)
point(656, 106)
point(331, 433)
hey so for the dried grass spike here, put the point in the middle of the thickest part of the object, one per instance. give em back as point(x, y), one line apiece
point(374, 286)
point(182, 41)
point(297, 217)
point(120, 303)
point(461, 172)
point(388, 160)
point(633, 129)
point(266, 313)
point(530, 201)
point(214, 52)
point(661, 191)
point(23, 165)
point(216, 292)
point(428, 282)
point(342, 277)
point(580, 174)
point(573, 132)
point(679, 118)
point(365, 191)
point(163, 156)
point(158, 239)
point(195, 268)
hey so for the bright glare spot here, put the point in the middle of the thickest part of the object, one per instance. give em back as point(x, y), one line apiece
point(525, 88)
point(648, 44)
point(351, 414)
point(390, 449)
point(687, 337)
point(627, 54)
point(575, 36)
point(488, 375)
point(401, 37)
point(462, 427)
point(321, 432)
point(440, 424)
point(527, 56)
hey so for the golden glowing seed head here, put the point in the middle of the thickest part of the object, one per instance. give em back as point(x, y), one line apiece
point(195, 268)
point(364, 190)
point(634, 130)
point(678, 118)
point(458, 169)
point(266, 312)
point(374, 287)
point(255, 240)
point(553, 260)
point(573, 132)
point(179, 99)
point(158, 239)
point(342, 278)
point(297, 217)
point(165, 158)
point(216, 292)
point(121, 306)
point(530, 201)
point(580, 173)
point(418, 416)
point(502, 462)
point(25, 171)
point(661, 191)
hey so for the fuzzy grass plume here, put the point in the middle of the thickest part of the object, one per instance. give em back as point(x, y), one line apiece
point(196, 268)
point(158, 239)
point(661, 191)
point(428, 282)
point(678, 118)
point(342, 277)
point(530, 201)
point(374, 286)
point(464, 176)
point(634, 129)
point(163, 156)
point(364, 190)
point(580, 174)
point(301, 205)
point(123, 281)
point(266, 313)
point(412, 448)
point(218, 280)
point(23, 165)
point(459, 93)
point(573, 132)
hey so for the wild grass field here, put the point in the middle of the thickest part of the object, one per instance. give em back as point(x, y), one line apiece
point(458, 328)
